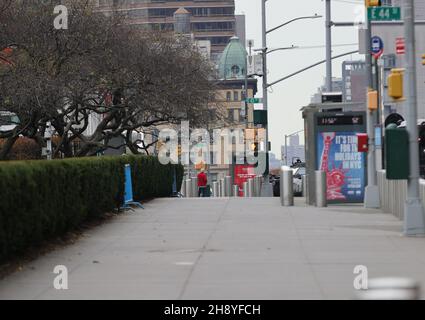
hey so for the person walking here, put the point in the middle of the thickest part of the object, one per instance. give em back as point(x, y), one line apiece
point(202, 184)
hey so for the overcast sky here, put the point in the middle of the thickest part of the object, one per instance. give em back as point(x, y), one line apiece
point(286, 98)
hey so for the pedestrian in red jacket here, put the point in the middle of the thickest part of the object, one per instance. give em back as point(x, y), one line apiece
point(202, 184)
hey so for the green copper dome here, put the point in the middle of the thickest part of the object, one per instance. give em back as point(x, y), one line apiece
point(232, 62)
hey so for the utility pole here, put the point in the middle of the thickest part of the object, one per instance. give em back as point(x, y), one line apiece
point(372, 199)
point(414, 223)
point(328, 47)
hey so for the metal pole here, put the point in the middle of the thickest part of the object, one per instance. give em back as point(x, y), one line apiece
point(268, 188)
point(328, 47)
point(228, 186)
point(222, 188)
point(286, 150)
point(250, 187)
point(195, 192)
point(215, 189)
point(321, 189)
point(188, 188)
point(288, 188)
point(414, 223)
point(236, 191)
point(281, 185)
point(245, 189)
point(372, 191)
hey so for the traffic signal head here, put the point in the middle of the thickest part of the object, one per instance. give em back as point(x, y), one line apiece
point(395, 84)
point(372, 100)
point(423, 59)
point(373, 3)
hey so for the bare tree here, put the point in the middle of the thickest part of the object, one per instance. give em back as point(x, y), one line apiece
point(97, 69)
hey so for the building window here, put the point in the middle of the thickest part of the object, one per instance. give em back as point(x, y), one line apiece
point(231, 115)
point(228, 96)
point(235, 96)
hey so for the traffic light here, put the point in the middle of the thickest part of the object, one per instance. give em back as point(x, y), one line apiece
point(373, 3)
point(423, 59)
point(372, 100)
point(395, 84)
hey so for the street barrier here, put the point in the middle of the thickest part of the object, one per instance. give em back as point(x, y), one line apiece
point(288, 189)
point(188, 188)
point(228, 186)
point(128, 190)
point(235, 191)
point(393, 194)
point(215, 189)
point(321, 192)
point(195, 193)
point(222, 189)
point(257, 186)
point(250, 187)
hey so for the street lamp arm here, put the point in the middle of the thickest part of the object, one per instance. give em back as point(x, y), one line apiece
point(293, 20)
point(280, 49)
point(310, 67)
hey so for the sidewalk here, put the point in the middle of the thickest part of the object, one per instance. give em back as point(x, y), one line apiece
point(226, 249)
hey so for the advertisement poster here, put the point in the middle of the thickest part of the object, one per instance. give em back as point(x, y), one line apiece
point(242, 173)
point(344, 166)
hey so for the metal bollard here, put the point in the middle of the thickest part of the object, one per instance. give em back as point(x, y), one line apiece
point(250, 187)
point(245, 189)
point(195, 192)
point(188, 188)
point(390, 289)
point(215, 189)
point(257, 186)
point(222, 188)
point(228, 186)
point(281, 186)
point(183, 188)
point(321, 189)
point(235, 191)
point(288, 188)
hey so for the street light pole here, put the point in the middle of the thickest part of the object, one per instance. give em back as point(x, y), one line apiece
point(372, 198)
point(267, 189)
point(267, 185)
point(328, 47)
point(414, 220)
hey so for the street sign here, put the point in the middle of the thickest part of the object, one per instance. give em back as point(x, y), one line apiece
point(377, 47)
point(254, 100)
point(384, 13)
point(400, 45)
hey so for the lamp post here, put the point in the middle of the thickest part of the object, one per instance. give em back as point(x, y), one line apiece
point(265, 83)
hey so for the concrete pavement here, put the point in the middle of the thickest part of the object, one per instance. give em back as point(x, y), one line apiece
point(226, 249)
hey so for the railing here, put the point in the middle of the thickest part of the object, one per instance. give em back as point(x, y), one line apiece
point(393, 194)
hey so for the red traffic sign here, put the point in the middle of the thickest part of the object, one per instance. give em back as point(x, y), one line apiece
point(400, 46)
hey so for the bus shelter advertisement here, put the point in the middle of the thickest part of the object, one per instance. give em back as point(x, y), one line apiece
point(338, 156)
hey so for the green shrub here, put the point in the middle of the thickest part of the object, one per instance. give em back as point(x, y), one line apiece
point(40, 200)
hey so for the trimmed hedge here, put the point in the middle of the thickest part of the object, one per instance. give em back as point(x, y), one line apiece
point(40, 200)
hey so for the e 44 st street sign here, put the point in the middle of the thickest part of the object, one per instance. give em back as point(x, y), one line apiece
point(384, 13)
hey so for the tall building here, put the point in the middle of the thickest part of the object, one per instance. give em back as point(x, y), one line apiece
point(212, 20)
